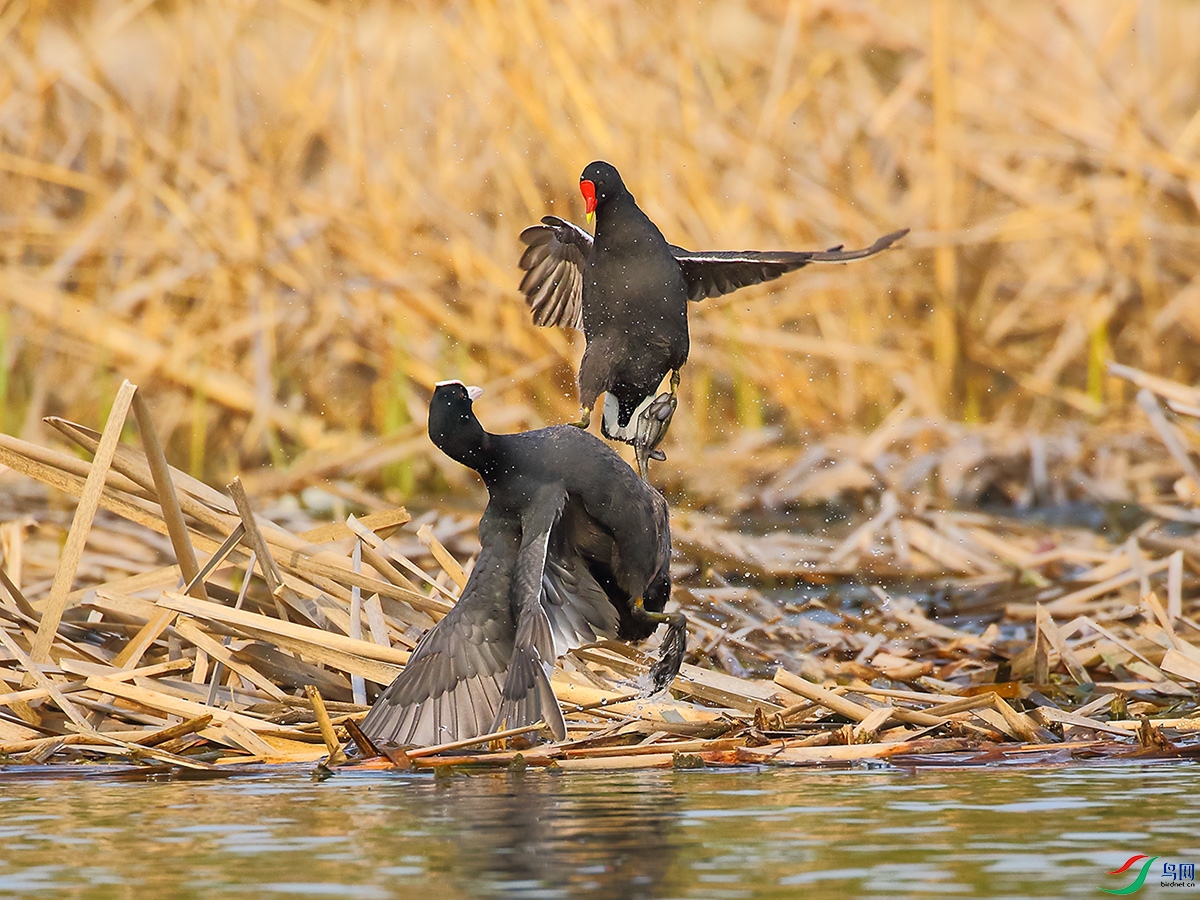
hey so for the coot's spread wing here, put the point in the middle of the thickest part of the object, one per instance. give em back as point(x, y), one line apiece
point(576, 606)
point(617, 523)
point(579, 609)
point(527, 695)
point(553, 261)
point(451, 688)
point(717, 273)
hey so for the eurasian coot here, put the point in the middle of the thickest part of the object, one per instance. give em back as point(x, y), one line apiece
point(574, 548)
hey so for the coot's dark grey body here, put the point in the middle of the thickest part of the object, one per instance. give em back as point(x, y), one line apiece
point(574, 548)
point(628, 290)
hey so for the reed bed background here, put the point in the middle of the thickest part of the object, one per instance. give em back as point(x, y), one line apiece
point(286, 220)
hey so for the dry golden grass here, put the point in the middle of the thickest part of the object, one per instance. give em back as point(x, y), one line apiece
point(287, 219)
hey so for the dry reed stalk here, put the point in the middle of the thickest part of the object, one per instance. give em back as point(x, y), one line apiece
point(164, 489)
point(280, 593)
point(292, 260)
point(336, 755)
point(133, 621)
point(265, 624)
point(89, 501)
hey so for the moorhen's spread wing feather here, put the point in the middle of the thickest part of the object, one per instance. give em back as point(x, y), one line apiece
point(722, 272)
point(553, 261)
point(451, 687)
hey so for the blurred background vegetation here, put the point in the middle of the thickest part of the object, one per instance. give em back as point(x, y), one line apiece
point(285, 219)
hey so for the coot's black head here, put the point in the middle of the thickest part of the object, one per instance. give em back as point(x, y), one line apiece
point(599, 183)
point(453, 427)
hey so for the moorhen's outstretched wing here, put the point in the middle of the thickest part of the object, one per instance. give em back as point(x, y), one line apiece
point(451, 687)
point(553, 261)
point(527, 695)
point(721, 272)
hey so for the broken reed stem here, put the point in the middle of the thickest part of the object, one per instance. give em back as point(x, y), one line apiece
point(89, 502)
point(357, 686)
point(129, 656)
point(599, 704)
point(336, 755)
point(365, 745)
point(218, 666)
point(218, 557)
point(848, 708)
point(307, 635)
point(475, 741)
point(27, 458)
point(377, 551)
point(255, 539)
point(168, 500)
point(15, 593)
point(33, 670)
point(444, 559)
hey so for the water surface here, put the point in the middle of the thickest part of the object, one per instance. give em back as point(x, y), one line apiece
point(658, 834)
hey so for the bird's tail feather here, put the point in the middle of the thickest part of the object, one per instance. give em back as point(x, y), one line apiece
point(528, 696)
point(464, 712)
point(610, 424)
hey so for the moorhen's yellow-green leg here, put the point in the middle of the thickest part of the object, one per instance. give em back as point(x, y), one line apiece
point(674, 645)
point(585, 419)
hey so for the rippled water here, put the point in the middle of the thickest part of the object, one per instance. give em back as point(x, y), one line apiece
point(776, 833)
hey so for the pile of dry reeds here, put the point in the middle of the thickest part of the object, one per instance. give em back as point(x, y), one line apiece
point(287, 219)
point(264, 644)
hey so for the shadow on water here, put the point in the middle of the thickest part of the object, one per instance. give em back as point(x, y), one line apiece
point(658, 834)
point(533, 835)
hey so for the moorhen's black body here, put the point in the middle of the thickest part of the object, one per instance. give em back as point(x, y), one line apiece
point(628, 290)
point(574, 548)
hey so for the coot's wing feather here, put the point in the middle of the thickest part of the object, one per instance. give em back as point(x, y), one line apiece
point(576, 606)
point(451, 687)
point(721, 272)
point(555, 254)
point(527, 695)
point(579, 609)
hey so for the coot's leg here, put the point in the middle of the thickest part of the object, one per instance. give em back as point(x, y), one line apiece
point(674, 645)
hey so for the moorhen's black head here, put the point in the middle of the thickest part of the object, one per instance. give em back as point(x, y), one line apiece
point(599, 183)
point(453, 427)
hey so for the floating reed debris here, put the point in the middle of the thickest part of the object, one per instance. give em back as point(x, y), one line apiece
point(1024, 644)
